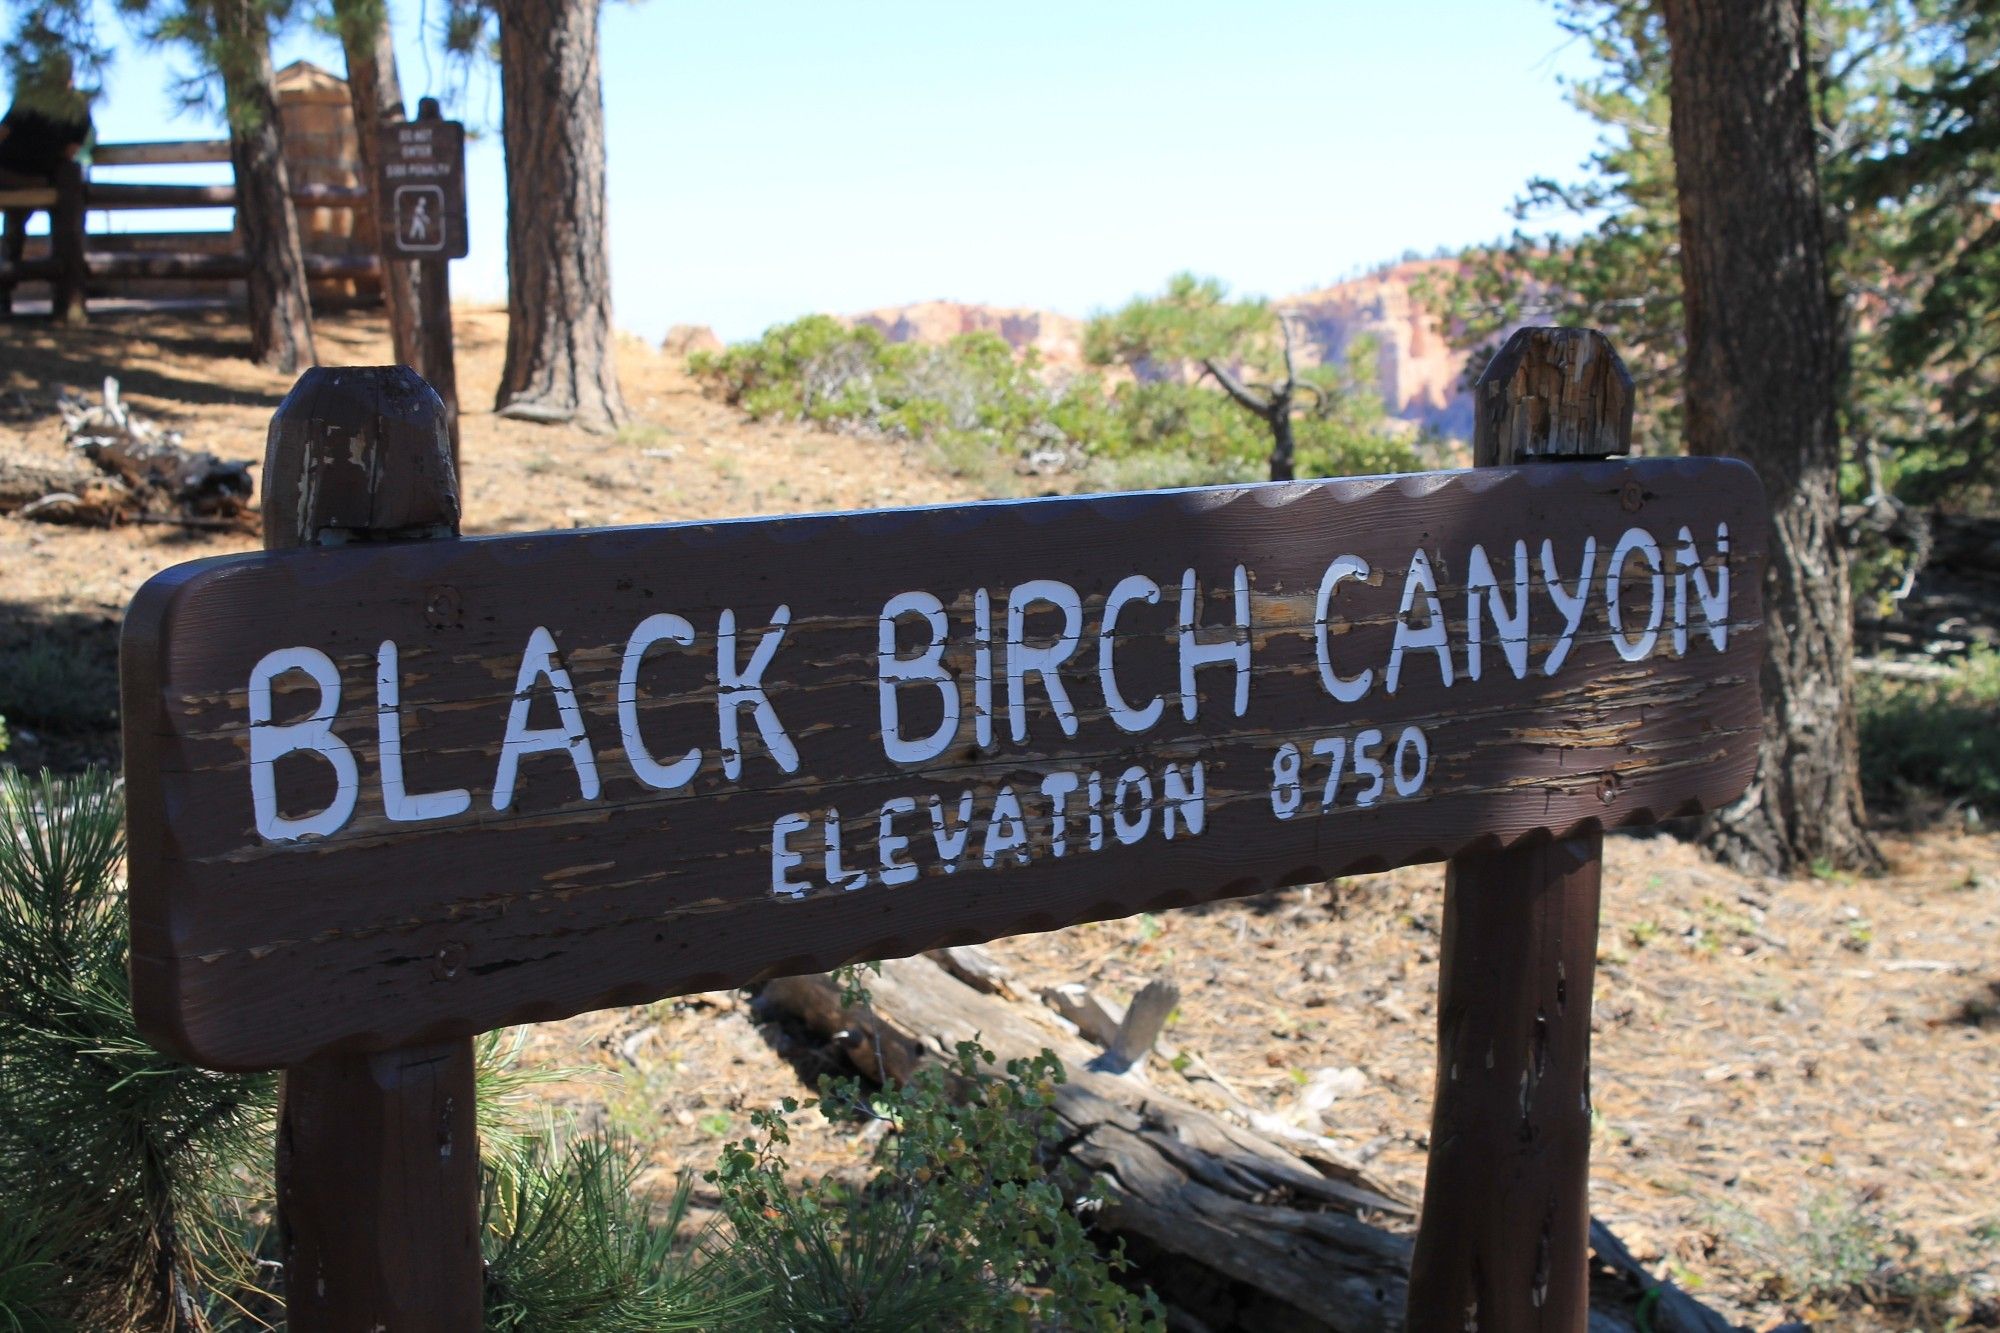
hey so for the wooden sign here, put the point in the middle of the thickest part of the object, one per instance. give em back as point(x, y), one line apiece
point(383, 794)
point(420, 190)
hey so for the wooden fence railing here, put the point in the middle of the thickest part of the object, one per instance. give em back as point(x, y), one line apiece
point(77, 256)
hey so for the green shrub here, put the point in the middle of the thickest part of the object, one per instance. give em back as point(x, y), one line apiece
point(1934, 738)
point(1836, 1257)
point(48, 685)
point(960, 1228)
point(982, 409)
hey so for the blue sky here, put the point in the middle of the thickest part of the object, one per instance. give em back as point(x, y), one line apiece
point(772, 158)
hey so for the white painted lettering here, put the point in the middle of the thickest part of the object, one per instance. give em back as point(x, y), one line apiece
point(1367, 765)
point(1129, 829)
point(1636, 541)
point(1057, 787)
point(950, 844)
point(1006, 830)
point(1569, 604)
point(1411, 745)
point(1024, 661)
point(1132, 588)
point(1347, 689)
point(1287, 793)
point(738, 688)
point(1512, 629)
point(1714, 601)
point(1184, 799)
point(982, 668)
point(783, 858)
point(397, 802)
point(927, 666)
point(837, 874)
point(1333, 749)
point(662, 628)
point(315, 733)
point(888, 842)
point(1234, 650)
point(538, 663)
point(1418, 582)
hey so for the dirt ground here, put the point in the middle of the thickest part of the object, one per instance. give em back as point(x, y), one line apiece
point(1797, 1083)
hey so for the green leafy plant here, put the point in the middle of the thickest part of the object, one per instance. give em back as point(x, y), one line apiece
point(961, 1225)
point(1837, 1255)
point(1935, 739)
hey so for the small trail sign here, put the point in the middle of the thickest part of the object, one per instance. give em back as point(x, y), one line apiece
point(388, 793)
point(420, 191)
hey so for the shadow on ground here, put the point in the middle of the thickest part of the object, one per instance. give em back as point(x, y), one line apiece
point(58, 687)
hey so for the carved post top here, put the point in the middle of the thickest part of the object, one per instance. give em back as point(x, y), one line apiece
point(1552, 393)
point(358, 453)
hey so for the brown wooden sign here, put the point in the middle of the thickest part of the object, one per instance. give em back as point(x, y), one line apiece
point(384, 794)
point(420, 190)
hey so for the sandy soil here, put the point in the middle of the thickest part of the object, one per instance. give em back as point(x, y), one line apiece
point(1789, 1076)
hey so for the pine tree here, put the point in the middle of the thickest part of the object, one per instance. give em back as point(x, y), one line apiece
point(119, 1165)
point(1765, 361)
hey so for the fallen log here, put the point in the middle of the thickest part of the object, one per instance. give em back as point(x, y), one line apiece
point(160, 471)
point(90, 496)
point(1233, 1230)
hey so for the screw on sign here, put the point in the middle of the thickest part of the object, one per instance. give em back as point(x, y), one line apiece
point(563, 771)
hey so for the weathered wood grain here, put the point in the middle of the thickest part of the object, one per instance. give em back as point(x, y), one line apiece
point(378, 1153)
point(250, 952)
point(1503, 1242)
point(1210, 1203)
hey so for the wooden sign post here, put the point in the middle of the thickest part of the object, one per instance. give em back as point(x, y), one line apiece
point(1505, 1223)
point(360, 455)
point(421, 217)
point(397, 788)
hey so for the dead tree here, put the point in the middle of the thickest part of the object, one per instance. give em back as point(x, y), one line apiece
point(1272, 403)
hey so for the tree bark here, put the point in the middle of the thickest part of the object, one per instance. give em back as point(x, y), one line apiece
point(281, 334)
point(1283, 451)
point(1765, 350)
point(559, 363)
point(377, 97)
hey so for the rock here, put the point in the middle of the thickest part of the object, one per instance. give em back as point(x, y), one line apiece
point(1058, 339)
point(1420, 374)
point(1326, 1087)
point(686, 339)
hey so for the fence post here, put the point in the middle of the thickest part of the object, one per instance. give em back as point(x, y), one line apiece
point(435, 360)
point(1503, 1244)
point(378, 1154)
point(66, 246)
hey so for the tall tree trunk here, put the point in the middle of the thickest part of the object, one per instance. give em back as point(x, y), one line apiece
point(376, 94)
point(281, 333)
point(559, 341)
point(1765, 351)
